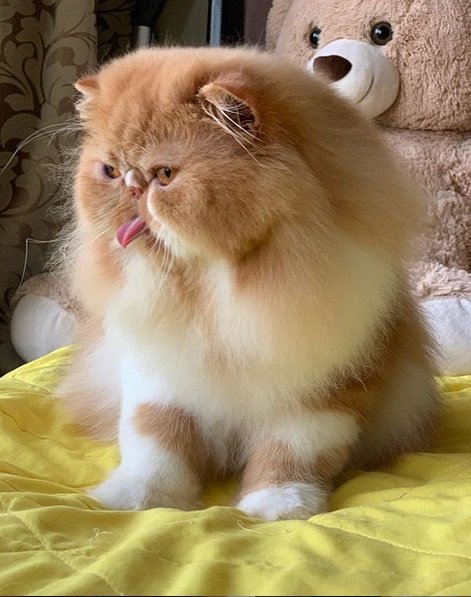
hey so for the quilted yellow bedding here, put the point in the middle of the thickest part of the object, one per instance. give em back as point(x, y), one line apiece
point(403, 530)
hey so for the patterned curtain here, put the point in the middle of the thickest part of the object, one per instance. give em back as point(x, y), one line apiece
point(45, 45)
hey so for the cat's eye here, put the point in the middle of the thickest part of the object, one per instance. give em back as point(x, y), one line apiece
point(110, 171)
point(315, 37)
point(381, 33)
point(165, 175)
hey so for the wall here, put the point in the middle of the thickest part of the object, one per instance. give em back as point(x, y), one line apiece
point(183, 22)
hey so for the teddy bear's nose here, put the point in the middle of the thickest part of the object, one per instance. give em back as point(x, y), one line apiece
point(334, 67)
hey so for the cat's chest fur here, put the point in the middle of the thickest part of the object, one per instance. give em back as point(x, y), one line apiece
point(207, 352)
point(231, 357)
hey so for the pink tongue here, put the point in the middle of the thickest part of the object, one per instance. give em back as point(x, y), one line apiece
point(130, 230)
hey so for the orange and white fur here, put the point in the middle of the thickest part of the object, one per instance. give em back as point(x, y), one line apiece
point(238, 258)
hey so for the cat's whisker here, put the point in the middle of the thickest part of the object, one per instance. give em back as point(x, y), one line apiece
point(167, 265)
point(163, 274)
point(51, 130)
point(170, 264)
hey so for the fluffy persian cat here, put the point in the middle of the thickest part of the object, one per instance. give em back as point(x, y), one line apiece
point(240, 240)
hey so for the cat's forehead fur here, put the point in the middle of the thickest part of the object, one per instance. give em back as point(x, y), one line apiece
point(155, 90)
point(131, 88)
point(151, 95)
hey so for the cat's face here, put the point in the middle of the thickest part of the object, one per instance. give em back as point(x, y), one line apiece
point(216, 153)
point(184, 150)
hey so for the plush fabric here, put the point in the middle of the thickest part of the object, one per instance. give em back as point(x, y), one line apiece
point(450, 317)
point(40, 325)
point(430, 47)
point(442, 161)
point(401, 530)
point(44, 316)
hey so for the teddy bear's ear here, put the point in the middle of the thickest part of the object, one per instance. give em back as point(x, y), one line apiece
point(230, 101)
point(275, 21)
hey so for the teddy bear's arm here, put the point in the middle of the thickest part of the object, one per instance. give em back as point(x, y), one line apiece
point(442, 164)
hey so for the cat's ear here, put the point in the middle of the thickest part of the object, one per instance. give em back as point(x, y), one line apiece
point(231, 102)
point(88, 86)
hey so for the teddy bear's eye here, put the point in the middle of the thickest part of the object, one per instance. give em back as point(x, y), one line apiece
point(381, 33)
point(314, 37)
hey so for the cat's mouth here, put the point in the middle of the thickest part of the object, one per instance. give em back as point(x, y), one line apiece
point(130, 230)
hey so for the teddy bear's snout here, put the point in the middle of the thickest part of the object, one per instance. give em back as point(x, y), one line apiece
point(333, 67)
point(360, 72)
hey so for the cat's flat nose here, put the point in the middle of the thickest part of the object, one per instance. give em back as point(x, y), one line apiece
point(131, 181)
point(136, 191)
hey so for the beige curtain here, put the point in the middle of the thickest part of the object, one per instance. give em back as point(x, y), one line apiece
point(45, 45)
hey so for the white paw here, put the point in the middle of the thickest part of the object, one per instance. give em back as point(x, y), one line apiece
point(122, 491)
point(288, 501)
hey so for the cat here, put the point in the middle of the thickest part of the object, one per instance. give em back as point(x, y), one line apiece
point(239, 255)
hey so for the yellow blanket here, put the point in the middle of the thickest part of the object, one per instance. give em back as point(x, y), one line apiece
point(404, 530)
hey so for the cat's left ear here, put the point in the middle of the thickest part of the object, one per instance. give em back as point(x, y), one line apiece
point(231, 102)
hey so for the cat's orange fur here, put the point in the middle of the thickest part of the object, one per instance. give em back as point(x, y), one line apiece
point(263, 319)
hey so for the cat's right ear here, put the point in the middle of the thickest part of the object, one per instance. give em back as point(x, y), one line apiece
point(88, 87)
point(231, 103)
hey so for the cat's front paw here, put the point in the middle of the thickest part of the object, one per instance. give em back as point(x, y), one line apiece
point(287, 501)
point(123, 491)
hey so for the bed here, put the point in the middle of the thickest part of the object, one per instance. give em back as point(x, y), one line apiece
point(401, 530)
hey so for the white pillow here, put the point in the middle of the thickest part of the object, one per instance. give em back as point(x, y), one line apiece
point(40, 325)
point(450, 322)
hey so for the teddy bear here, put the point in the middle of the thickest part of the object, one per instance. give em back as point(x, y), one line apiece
point(406, 64)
